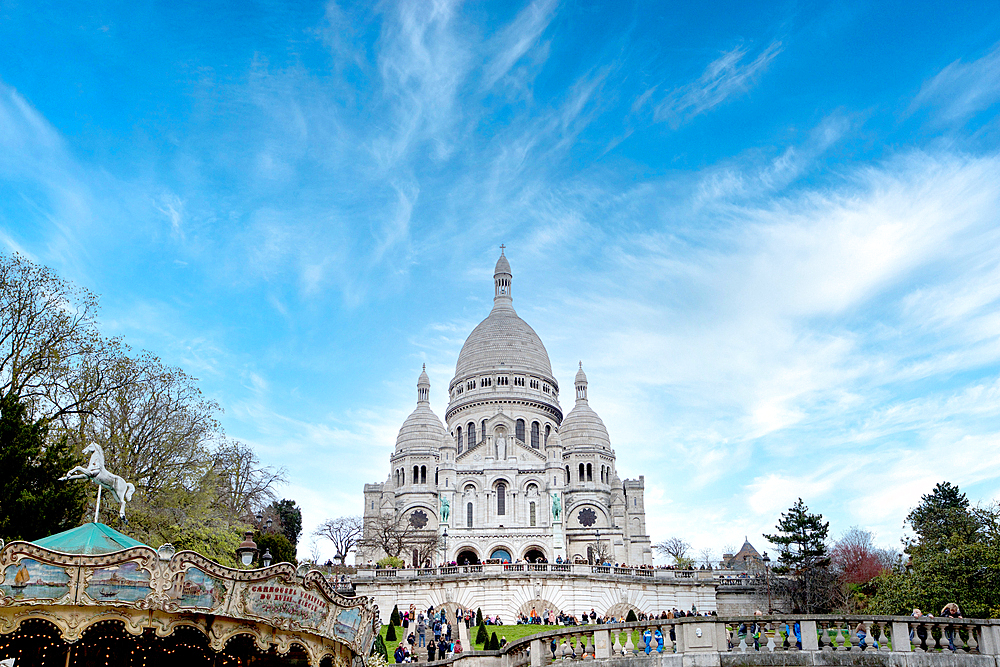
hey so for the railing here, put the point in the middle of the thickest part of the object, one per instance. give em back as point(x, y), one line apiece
point(706, 576)
point(765, 634)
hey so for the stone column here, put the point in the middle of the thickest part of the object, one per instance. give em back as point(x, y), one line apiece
point(901, 637)
point(602, 644)
point(810, 641)
point(537, 657)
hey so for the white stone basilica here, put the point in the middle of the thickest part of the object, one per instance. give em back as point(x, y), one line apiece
point(509, 477)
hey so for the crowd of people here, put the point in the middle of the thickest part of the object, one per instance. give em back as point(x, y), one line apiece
point(432, 631)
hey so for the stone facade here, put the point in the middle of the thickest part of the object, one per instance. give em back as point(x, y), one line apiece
point(506, 475)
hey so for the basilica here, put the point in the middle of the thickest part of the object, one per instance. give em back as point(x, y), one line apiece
point(507, 476)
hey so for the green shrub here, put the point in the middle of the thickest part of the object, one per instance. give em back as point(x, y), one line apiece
point(482, 637)
point(390, 561)
point(631, 617)
point(479, 616)
point(395, 619)
point(379, 648)
point(390, 633)
point(494, 642)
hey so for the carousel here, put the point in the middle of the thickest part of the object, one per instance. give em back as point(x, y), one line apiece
point(94, 596)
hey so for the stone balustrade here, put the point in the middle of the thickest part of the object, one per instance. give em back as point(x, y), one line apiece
point(812, 636)
point(722, 577)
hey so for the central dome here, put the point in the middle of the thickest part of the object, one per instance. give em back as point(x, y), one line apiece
point(503, 340)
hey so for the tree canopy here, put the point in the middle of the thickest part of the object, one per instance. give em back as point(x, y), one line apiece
point(809, 584)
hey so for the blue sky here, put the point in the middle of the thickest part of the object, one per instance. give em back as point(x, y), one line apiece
point(770, 231)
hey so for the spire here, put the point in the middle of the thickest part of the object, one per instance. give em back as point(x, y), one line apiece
point(423, 387)
point(501, 282)
point(581, 384)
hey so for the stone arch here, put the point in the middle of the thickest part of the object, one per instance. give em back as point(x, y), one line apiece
point(539, 605)
point(601, 520)
point(621, 609)
point(533, 550)
point(469, 552)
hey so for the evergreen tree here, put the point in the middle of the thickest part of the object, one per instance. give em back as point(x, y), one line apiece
point(379, 648)
point(33, 502)
point(390, 633)
point(810, 586)
point(481, 635)
point(282, 551)
point(631, 617)
point(395, 618)
point(479, 616)
point(290, 517)
point(942, 519)
point(494, 642)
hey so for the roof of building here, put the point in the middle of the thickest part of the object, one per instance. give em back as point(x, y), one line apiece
point(582, 426)
point(422, 427)
point(503, 341)
point(90, 539)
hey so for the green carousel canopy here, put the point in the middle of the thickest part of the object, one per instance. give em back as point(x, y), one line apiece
point(91, 539)
point(92, 595)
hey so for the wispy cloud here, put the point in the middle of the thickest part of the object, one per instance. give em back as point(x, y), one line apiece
point(724, 78)
point(515, 40)
point(963, 89)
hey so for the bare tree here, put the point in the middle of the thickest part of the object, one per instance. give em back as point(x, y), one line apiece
point(247, 487)
point(707, 557)
point(51, 354)
point(600, 551)
point(675, 548)
point(399, 538)
point(344, 532)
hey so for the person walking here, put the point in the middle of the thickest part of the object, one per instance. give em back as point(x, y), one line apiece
point(431, 651)
point(421, 632)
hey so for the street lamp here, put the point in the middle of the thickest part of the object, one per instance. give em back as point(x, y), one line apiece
point(767, 580)
point(266, 557)
point(445, 536)
point(597, 556)
point(247, 550)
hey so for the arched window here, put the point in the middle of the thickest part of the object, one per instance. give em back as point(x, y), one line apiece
point(472, 435)
point(468, 515)
point(436, 471)
point(416, 474)
point(459, 439)
point(534, 434)
point(423, 474)
point(402, 476)
point(581, 472)
point(567, 474)
point(482, 436)
point(519, 430)
point(590, 473)
point(548, 430)
point(501, 499)
point(416, 555)
point(531, 511)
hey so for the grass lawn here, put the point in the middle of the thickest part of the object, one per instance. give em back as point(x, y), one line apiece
point(515, 632)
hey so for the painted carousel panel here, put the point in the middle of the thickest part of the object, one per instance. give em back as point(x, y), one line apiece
point(30, 579)
point(198, 590)
point(275, 601)
point(126, 582)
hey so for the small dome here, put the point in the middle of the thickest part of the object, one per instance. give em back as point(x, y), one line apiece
point(422, 428)
point(581, 377)
point(503, 266)
point(583, 427)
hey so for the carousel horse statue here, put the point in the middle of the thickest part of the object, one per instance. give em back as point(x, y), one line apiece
point(95, 471)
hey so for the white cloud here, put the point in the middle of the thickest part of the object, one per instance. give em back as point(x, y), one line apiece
point(723, 78)
point(961, 89)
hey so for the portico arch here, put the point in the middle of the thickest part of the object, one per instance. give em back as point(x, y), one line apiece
point(467, 556)
point(533, 553)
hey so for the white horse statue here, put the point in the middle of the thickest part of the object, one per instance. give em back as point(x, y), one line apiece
point(119, 489)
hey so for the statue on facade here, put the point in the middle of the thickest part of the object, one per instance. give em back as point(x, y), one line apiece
point(95, 471)
point(501, 447)
point(445, 508)
point(556, 506)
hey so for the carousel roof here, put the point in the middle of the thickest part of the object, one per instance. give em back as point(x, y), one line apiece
point(90, 539)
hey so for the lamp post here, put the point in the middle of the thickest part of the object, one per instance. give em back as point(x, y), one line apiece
point(445, 536)
point(266, 557)
point(247, 551)
point(767, 580)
